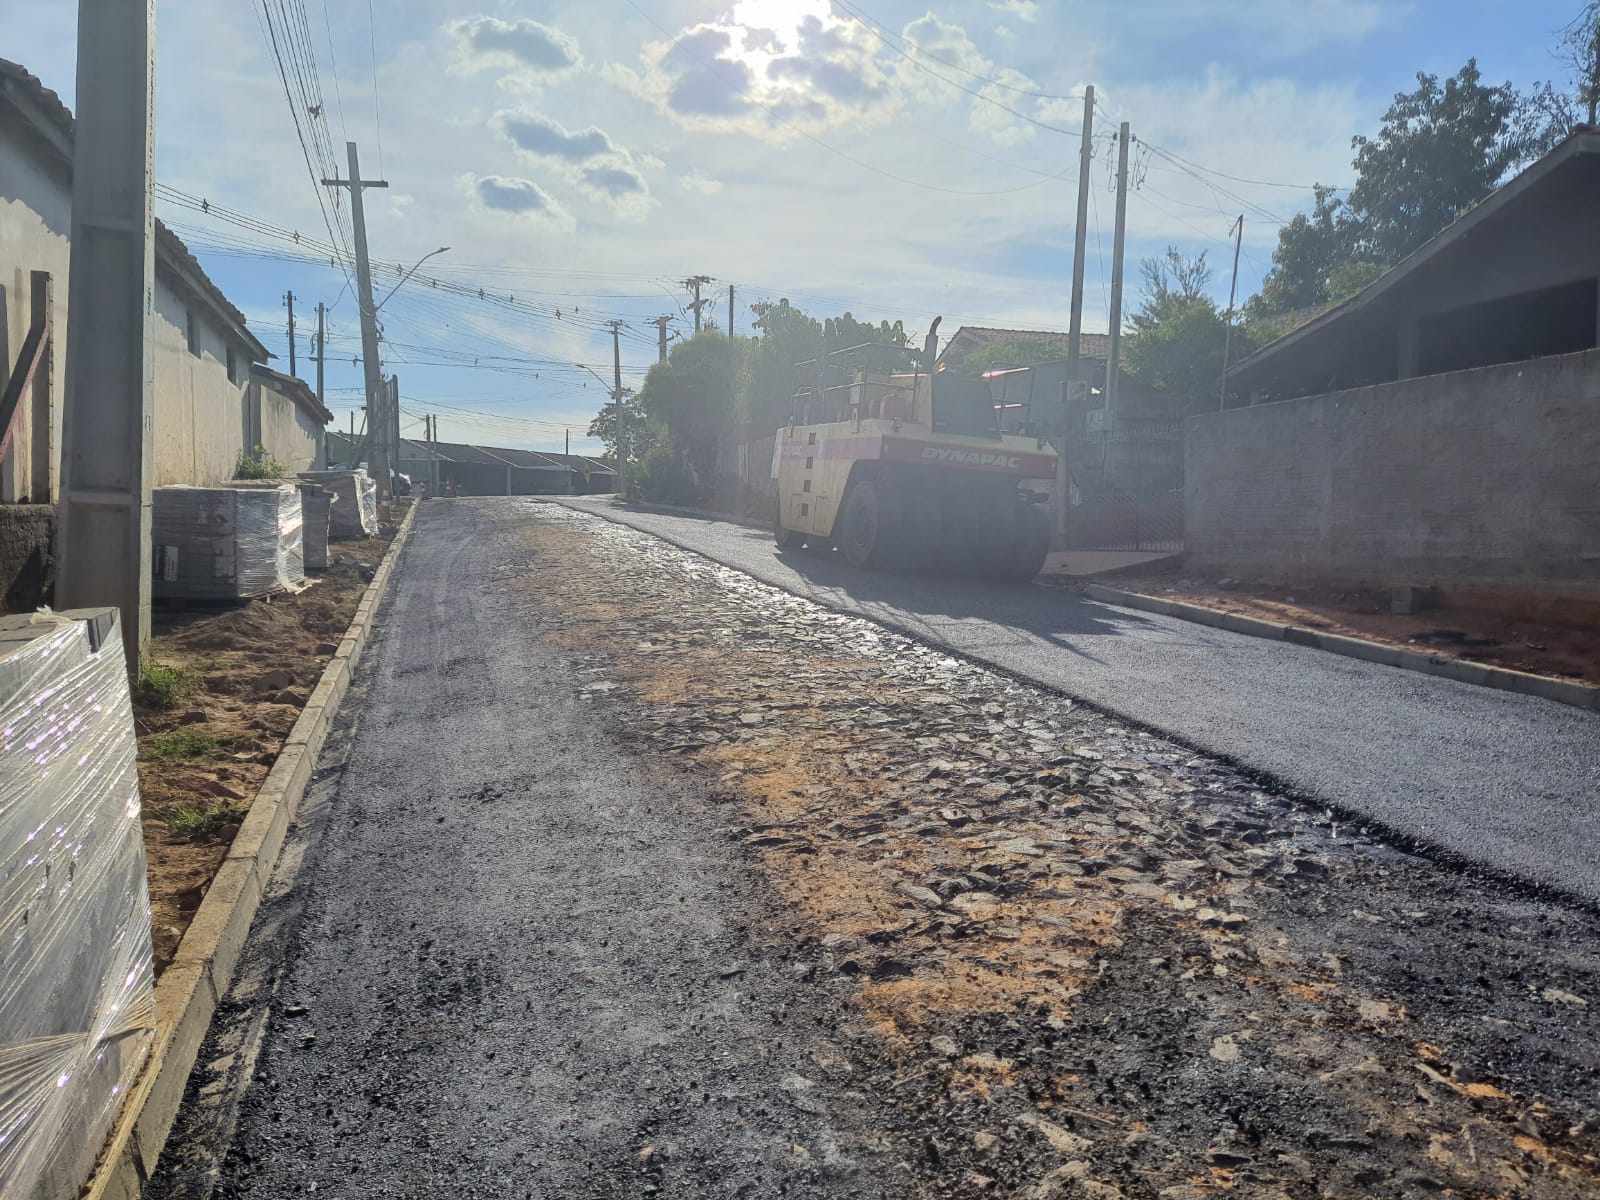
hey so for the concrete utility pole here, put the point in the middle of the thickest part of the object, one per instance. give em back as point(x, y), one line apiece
point(1075, 325)
point(1233, 292)
point(290, 300)
point(695, 284)
point(103, 535)
point(377, 427)
point(730, 311)
point(661, 330)
point(1118, 240)
point(322, 349)
point(616, 373)
point(394, 420)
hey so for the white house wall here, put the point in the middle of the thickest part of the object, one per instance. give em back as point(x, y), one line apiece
point(199, 417)
point(288, 433)
point(35, 233)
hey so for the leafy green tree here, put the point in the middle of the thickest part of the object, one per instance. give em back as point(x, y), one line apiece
point(1177, 337)
point(1439, 150)
point(690, 396)
point(643, 434)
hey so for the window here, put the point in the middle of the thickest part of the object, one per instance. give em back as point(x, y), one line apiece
point(233, 366)
point(191, 332)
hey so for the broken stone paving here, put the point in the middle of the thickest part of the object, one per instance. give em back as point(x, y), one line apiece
point(1087, 961)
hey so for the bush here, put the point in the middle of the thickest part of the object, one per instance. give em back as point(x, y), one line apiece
point(663, 477)
point(258, 464)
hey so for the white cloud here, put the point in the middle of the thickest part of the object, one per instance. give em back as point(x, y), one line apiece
point(538, 135)
point(588, 158)
point(522, 45)
point(698, 183)
point(1025, 10)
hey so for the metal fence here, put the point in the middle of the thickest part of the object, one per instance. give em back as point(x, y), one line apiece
point(1129, 520)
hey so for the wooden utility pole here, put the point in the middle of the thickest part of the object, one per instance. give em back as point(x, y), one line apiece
point(1233, 292)
point(694, 284)
point(1118, 241)
point(616, 370)
point(376, 425)
point(1075, 323)
point(289, 299)
point(661, 331)
point(107, 459)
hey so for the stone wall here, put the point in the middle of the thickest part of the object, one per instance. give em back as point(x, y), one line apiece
point(27, 568)
point(1486, 478)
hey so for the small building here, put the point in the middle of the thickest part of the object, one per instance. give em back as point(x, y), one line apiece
point(1441, 428)
point(283, 417)
point(203, 350)
point(969, 339)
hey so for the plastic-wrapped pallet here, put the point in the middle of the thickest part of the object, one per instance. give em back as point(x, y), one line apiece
point(76, 985)
point(226, 543)
point(355, 502)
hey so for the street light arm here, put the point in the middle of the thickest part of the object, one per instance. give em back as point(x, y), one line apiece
point(407, 276)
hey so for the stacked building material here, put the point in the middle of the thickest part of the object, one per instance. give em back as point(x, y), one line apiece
point(76, 983)
point(355, 502)
point(316, 503)
point(227, 543)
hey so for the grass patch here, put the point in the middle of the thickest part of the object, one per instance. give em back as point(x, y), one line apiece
point(162, 686)
point(201, 820)
point(177, 745)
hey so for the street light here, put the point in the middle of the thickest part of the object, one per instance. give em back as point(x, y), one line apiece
point(408, 275)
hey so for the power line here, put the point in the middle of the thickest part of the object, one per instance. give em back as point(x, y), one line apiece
point(377, 110)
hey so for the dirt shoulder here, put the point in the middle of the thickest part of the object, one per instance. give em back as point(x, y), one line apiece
point(223, 688)
point(1494, 638)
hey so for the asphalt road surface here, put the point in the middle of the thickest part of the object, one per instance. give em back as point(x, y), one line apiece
point(1506, 781)
point(527, 964)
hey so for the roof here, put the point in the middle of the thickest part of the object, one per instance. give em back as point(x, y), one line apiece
point(461, 452)
point(528, 460)
point(293, 387)
point(17, 82)
point(971, 338)
point(1583, 140)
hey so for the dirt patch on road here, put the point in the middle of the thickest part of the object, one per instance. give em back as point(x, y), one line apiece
point(1498, 638)
point(1095, 963)
point(227, 687)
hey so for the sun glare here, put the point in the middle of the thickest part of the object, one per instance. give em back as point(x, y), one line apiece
point(783, 17)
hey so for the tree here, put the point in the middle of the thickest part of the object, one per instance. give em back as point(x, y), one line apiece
point(642, 433)
point(1439, 150)
point(1177, 341)
point(690, 396)
point(788, 335)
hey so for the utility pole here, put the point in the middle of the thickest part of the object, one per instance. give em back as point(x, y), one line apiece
point(394, 419)
point(1118, 239)
point(695, 284)
point(322, 349)
point(103, 536)
point(661, 330)
point(369, 317)
point(730, 312)
point(290, 299)
point(616, 374)
point(1233, 292)
point(1075, 325)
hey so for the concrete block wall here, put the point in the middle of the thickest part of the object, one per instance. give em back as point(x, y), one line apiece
point(1475, 479)
point(27, 566)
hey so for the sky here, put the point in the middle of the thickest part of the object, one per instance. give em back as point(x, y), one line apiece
point(894, 160)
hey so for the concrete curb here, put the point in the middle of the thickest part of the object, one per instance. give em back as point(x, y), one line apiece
point(188, 992)
point(1579, 695)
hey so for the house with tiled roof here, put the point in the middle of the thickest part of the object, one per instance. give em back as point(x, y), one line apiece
point(969, 339)
point(208, 407)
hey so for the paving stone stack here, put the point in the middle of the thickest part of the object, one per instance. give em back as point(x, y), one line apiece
point(76, 979)
point(227, 543)
point(316, 503)
point(355, 502)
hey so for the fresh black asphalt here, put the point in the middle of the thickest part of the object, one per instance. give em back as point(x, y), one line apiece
point(1505, 781)
point(528, 965)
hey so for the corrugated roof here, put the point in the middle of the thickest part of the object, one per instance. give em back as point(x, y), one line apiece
point(170, 250)
point(295, 388)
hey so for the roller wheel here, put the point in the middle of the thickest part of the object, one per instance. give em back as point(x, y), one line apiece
point(864, 525)
point(787, 539)
point(1031, 545)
